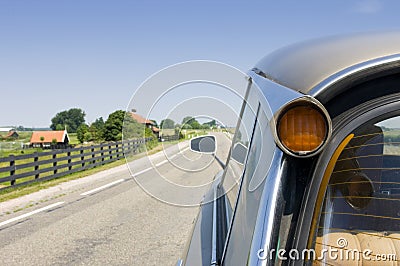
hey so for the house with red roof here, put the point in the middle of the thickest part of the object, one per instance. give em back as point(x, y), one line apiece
point(47, 139)
point(150, 124)
point(8, 133)
point(12, 135)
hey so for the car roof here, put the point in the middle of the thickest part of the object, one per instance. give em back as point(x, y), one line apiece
point(304, 66)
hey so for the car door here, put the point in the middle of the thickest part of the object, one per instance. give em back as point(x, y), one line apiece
point(351, 214)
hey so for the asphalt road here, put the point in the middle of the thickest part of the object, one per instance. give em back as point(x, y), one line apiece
point(137, 216)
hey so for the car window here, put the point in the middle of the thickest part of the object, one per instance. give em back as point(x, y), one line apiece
point(235, 167)
point(258, 163)
point(361, 207)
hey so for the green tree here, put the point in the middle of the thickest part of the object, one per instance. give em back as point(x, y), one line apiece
point(167, 123)
point(96, 129)
point(210, 124)
point(88, 136)
point(186, 120)
point(150, 144)
point(195, 124)
point(190, 123)
point(81, 131)
point(132, 129)
point(71, 118)
point(113, 126)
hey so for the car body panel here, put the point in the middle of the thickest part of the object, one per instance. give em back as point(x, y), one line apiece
point(303, 66)
point(200, 248)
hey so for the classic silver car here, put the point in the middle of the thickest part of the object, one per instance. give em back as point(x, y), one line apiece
point(313, 174)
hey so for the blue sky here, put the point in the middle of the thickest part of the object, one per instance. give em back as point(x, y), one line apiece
point(55, 55)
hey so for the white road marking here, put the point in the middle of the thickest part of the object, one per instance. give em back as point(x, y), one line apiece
point(143, 171)
point(31, 213)
point(102, 187)
point(185, 149)
point(161, 163)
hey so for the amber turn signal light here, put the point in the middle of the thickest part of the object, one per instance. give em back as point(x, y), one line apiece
point(302, 128)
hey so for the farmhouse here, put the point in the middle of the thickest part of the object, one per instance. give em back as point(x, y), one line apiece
point(12, 134)
point(46, 139)
point(150, 124)
point(8, 132)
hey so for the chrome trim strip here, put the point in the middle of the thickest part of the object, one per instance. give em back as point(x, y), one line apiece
point(214, 231)
point(267, 214)
point(179, 262)
point(388, 61)
point(228, 221)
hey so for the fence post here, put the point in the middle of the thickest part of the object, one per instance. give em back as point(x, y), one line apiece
point(82, 158)
point(36, 167)
point(109, 151)
point(92, 150)
point(117, 149)
point(137, 145)
point(55, 163)
point(102, 153)
point(12, 170)
point(69, 160)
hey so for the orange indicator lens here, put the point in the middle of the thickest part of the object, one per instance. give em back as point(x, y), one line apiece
point(302, 129)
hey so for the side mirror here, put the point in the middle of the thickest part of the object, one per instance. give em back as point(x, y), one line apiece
point(239, 153)
point(203, 144)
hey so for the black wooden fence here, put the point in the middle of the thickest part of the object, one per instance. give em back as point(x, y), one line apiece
point(24, 169)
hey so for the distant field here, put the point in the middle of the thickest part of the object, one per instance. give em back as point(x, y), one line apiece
point(392, 135)
point(392, 149)
point(24, 136)
point(167, 132)
point(73, 139)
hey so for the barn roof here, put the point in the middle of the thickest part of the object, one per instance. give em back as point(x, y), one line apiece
point(140, 119)
point(48, 136)
point(11, 133)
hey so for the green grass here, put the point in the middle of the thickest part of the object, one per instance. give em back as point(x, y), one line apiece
point(15, 192)
point(6, 153)
point(73, 139)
